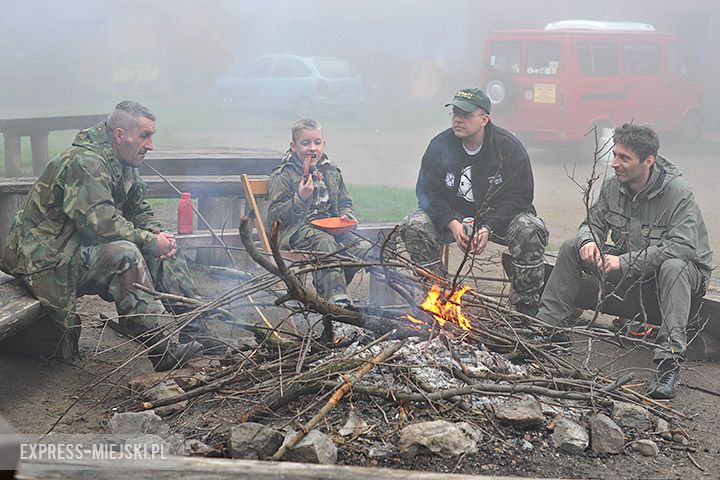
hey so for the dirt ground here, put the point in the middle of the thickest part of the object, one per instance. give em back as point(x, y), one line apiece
point(38, 395)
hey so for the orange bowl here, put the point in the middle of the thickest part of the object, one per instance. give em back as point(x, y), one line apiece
point(334, 225)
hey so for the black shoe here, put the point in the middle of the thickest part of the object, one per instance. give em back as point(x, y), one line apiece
point(526, 309)
point(198, 331)
point(166, 355)
point(663, 385)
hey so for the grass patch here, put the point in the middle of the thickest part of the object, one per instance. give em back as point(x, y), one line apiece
point(376, 203)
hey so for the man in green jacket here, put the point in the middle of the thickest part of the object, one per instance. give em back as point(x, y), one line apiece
point(660, 245)
point(85, 228)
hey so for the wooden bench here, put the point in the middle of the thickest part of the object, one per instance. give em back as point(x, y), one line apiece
point(18, 308)
point(38, 130)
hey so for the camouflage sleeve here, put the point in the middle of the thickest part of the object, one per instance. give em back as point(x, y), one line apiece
point(285, 203)
point(345, 204)
point(137, 210)
point(89, 203)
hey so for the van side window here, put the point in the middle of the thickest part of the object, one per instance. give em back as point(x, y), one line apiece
point(675, 61)
point(543, 58)
point(641, 59)
point(505, 57)
point(596, 58)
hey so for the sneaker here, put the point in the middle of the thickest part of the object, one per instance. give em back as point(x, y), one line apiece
point(167, 355)
point(664, 384)
point(527, 309)
point(198, 331)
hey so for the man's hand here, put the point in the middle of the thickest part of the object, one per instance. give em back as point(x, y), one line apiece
point(481, 239)
point(166, 246)
point(306, 187)
point(608, 263)
point(590, 253)
point(459, 233)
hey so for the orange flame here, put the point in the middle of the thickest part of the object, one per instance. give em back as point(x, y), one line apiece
point(444, 310)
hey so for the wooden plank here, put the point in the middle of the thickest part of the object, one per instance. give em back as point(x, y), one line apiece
point(214, 161)
point(216, 469)
point(30, 126)
point(18, 309)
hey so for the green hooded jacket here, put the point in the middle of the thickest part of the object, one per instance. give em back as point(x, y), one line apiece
point(660, 222)
point(83, 197)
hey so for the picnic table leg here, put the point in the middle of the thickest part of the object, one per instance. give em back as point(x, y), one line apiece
point(40, 151)
point(12, 155)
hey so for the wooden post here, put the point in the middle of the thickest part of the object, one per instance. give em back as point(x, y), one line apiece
point(13, 167)
point(40, 151)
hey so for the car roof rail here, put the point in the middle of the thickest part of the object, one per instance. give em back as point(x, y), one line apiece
point(599, 25)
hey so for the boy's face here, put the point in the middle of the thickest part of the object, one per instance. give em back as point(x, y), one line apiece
point(309, 143)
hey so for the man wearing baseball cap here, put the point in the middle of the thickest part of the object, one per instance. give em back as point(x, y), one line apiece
point(478, 170)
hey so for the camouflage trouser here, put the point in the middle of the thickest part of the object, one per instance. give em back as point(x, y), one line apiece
point(109, 270)
point(331, 284)
point(526, 238)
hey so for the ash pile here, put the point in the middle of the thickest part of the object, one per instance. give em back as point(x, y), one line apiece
point(428, 385)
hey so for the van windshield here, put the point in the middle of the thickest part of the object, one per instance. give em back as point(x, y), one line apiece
point(505, 57)
point(543, 58)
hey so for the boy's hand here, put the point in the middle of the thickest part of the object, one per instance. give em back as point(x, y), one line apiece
point(306, 187)
point(459, 233)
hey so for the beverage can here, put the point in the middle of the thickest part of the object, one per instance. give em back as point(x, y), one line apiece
point(468, 224)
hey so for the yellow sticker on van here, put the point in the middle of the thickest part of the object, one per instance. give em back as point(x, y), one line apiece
point(544, 93)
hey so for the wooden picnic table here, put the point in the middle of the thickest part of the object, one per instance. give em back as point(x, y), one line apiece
point(38, 130)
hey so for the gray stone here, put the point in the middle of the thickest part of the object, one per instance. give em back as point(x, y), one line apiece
point(316, 447)
point(526, 446)
point(662, 428)
point(570, 437)
point(154, 443)
point(354, 426)
point(523, 414)
point(136, 423)
point(630, 415)
point(681, 439)
point(605, 435)
point(440, 437)
point(646, 447)
point(253, 441)
point(167, 389)
point(381, 451)
point(190, 447)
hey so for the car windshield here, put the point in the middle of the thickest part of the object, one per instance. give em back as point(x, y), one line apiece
point(333, 68)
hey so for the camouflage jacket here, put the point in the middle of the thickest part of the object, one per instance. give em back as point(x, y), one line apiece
point(329, 199)
point(661, 221)
point(84, 196)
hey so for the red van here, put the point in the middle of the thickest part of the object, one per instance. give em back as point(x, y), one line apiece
point(556, 84)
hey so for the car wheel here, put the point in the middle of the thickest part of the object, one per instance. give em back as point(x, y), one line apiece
point(304, 108)
point(501, 92)
point(691, 128)
point(227, 102)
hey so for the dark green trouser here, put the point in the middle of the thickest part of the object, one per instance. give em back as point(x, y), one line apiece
point(667, 292)
point(526, 237)
point(331, 284)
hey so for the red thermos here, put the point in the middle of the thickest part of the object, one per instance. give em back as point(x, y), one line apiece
point(185, 214)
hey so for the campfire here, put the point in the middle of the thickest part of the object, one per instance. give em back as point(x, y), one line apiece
point(443, 308)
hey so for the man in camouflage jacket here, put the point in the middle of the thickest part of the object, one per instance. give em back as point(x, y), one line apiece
point(326, 197)
point(85, 228)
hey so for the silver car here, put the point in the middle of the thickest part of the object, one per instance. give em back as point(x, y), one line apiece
point(303, 86)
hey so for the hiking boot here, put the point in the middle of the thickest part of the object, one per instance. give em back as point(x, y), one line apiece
point(663, 385)
point(558, 340)
point(198, 331)
point(527, 309)
point(166, 355)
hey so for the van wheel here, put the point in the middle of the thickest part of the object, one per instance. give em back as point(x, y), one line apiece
point(304, 108)
point(501, 92)
point(690, 129)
